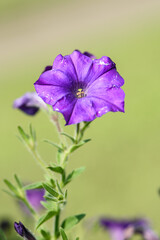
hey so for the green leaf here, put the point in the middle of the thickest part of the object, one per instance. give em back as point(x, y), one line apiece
point(77, 238)
point(59, 188)
point(11, 187)
point(53, 182)
point(50, 190)
point(68, 136)
point(33, 133)
point(80, 144)
point(46, 234)
point(72, 221)
point(50, 205)
point(19, 183)
point(45, 218)
point(57, 169)
point(63, 234)
point(9, 193)
point(24, 136)
point(33, 186)
point(75, 173)
point(54, 144)
point(2, 236)
point(49, 198)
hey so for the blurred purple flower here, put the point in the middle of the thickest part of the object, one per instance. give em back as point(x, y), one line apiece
point(34, 197)
point(29, 103)
point(82, 88)
point(124, 229)
point(23, 232)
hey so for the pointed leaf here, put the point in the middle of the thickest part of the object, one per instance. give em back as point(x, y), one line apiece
point(50, 190)
point(19, 183)
point(33, 186)
point(71, 221)
point(45, 218)
point(54, 144)
point(68, 136)
point(46, 234)
point(24, 136)
point(75, 147)
point(63, 234)
point(57, 169)
point(49, 198)
point(9, 193)
point(75, 173)
point(11, 186)
point(59, 188)
point(49, 205)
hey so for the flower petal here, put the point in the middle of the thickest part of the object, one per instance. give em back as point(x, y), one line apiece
point(110, 79)
point(65, 65)
point(99, 67)
point(53, 85)
point(82, 64)
point(107, 100)
point(75, 110)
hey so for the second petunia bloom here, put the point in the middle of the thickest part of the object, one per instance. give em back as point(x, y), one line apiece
point(82, 88)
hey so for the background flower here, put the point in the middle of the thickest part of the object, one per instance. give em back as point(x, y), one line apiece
point(29, 103)
point(125, 228)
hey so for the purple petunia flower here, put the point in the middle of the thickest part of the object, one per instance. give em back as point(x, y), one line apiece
point(29, 103)
point(82, 88)
point(124, 229)
point(34, 197)
point(23, 232)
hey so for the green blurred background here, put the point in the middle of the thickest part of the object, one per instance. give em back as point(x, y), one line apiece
point(122, 177)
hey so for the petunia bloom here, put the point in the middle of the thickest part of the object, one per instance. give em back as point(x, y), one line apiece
point(124, 229)
point(23, 232)
point(29, 103)
point(34, 197)
point(81, 87)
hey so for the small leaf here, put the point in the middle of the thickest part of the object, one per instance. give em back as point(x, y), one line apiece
point(19, 183)
point(54, 144)
point(71, 221)
point(80, 144)
point(63, 234)
point(11, 186)
point(46, 234)
point(9, 193)
point(75, 173)
point(77, 238)
point(50, 190)
point(33, 186)
point(68, 136)
point(57, 169)
point(49, 198)
point(45, 218)
point(49, 205)
point(33, 133)
point(24, 136)
point(59, 188)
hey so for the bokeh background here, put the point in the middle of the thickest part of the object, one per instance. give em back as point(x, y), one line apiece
point(122, 177)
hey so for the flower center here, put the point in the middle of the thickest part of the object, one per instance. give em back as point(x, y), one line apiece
point(80, 93)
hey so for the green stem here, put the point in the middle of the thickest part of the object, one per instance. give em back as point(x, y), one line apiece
point(77, 132)
point(56, 226)
point(30, 208)
point(40, 161)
